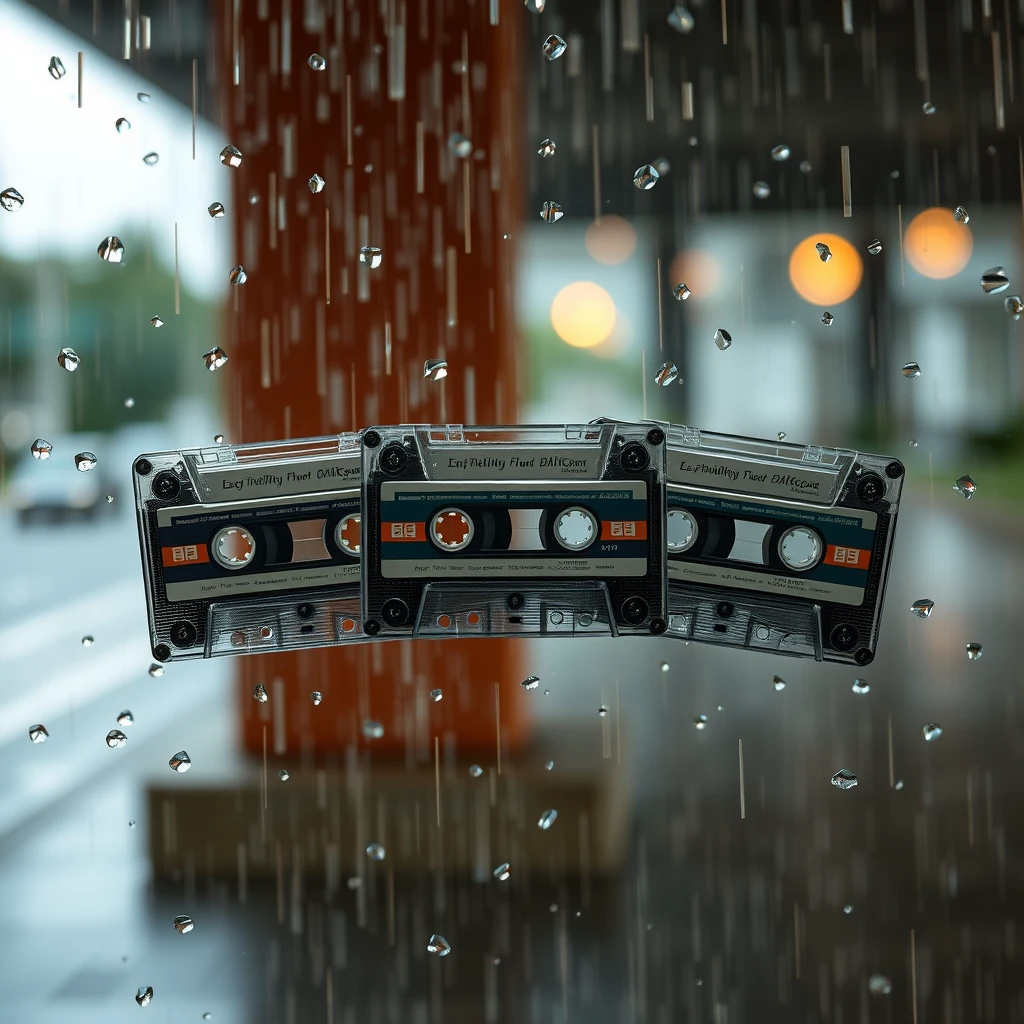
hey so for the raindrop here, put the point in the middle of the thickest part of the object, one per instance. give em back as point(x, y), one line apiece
point(122, 124)
point(778, 683)
point(961, 216)
point(237, 275)
point(207, 1016)
point(547, 148)
point(861, 686)
point(87, 641)
point(116, 738)
point(974, 651)
point(922, 607)
point(438, 945)
point(231, 157)
point(928, 107)
point(681, 19)
point(11, 200)
point(700, 723)
point(157, 321)
point(848, 909)
point(535, 6)
point(316, 696)
point(680, 293)
point(180, 762)
point(131, 824)
point(183, 924)
point(376, 852)
point(662, 166)
point(370, 256)
point(283, 774)
point(215, 358)
point(506, 236)
point(723, 339)
point(215, 210)
point(56, 68)
point(805, 167)
point(84, 461)
point(436, 695)
point(551, 212)
point(547, 819)
point(218, 438)
point(151, 159)
point(761, 190)
point(459, 145)
point(502, 872)
point(316, 184)
point(781, 435)
point(41, 449)
point(994, 281)
point(125, 719)
point(68, 359)
point(911, 371)
point(645, 177)
point(879, 984)
point(38, 733)
point(373, 730)
point(667, 373)
point(317, 62)
point(260, 693)
point(156, 670)
point(143, 97)
point(111, 249)
point(110, 499)
point(827, 318)
point(824, 252)
point(913, 443)
point(1013, 306)
point(354, 882)
point(144, 996)
point(874, 247)
point(435, 369)
point(931, 731)
point(553, 47)
point(550, 765)
point(602, 711)
point(129, 403)
point(844, 779)
point(692, 140)
point(254, 198)
point(780, 153)
point(965, 486)
point(475, 771)
point(530, 683)
point(665, 667)
point(899, 784)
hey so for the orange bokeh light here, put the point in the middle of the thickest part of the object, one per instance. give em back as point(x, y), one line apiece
point(583, 314)
point(698, 270)
point(935, 245)
point(610, 240)
point(825, 284)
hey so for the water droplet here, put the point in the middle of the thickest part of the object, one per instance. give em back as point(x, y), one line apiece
point(259, 693)
point(231, 157)
point(475, 771)
point(780, 153)
point(125, 719)
point(38, 733)
point(283, 774)
point(848, 909)
point(550, 212)
point(928, 107)
point(144, 996)
point(436, 695)
point(370, 256)
point(41, 449)
point(530, 683)
point(316, 184)
point(861, 686)
point(180, 762)
point(316, 697)
point(122, 124)
point(151, 159)
point(645, 177)
point(547, 148)
point(899, 784)
point(254, 199)
point(156, 670)
point(143, 97)
point(116, 738)
point(84, 461)
point(547, 819)
point(373, 730)
point(692, 140)
point(824, 252)
point(215, 210)
point(376, 852)
point(700, 723)
point(602, 711)
point(68, 359)
point(553, 47)
point(723, 339)
point(913, 443)
point(681, 20)
point(110, 499)
point(131, 824)
point(215, 358)
point(1013, 306)
point(111, 249)
point(805, 167)
point(665, 666)
point(354, 882)
point(459, 145)
point(778, 683)
point(506, 236)
point(157, 321)
point(781, 435)
point(183, 924)
point(553, 908)
point(502, 872)
point(56, 68)
point(438, 945)
point(931, 731)
point(974, 651)
point(965, 486)
point(922, 607)
point(218, 438)
point(961, 216)
point(680, 293)
point(129, 403)
point(207, 1016)
point(237, 275)
point(535, 6)
point(994, 281)
point(911, 371)
point(87, 641)
point(550, 765)
point(435, 369)
point(844, 779)
point(317, 62)
point(11, 200)
point(761, 190)
point(827, 318)
point(874, 247)
point(879, 984)
point(667, 373)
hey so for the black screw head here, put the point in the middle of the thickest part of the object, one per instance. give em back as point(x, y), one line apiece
point(166, 486)
point(844, 637)
point(371, 627)
point(635, 610)
point(894, 470)
point(514, 602)
point(655, 436)
point(394, 459)
point(183, 634)
point(658, 626)
point(371, 439)
point(870, 488)
point(305, 611)
point(143, 467)
point(162, 652)
point(634, 457)
point(864, 657)
point(724, 610)
point(395, 612)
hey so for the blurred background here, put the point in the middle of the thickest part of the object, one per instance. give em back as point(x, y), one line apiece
point(705, 873)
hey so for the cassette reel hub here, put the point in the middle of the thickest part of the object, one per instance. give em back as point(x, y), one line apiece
point(233, 547)
point(348, 534)
point(576, 529)
point(451, 529)
point(681, 531)
point(800, 548)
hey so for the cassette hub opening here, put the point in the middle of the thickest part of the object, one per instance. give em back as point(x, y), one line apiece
point(451, 529)
point(575, 529)
point(800, 548)
point(348, 534)
point(233, 547)
point(681, 531)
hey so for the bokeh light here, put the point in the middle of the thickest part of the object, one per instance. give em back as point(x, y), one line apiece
point(698, 270)
point(610, 240)
point(825, 284)
point(583, 314)
point(935, 245)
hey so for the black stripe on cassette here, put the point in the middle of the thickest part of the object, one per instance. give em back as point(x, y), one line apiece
point(250, 548)
point(514, 531)
point(778, 547)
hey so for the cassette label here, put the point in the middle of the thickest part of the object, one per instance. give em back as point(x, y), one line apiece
point(310, 476)
point(808, 483)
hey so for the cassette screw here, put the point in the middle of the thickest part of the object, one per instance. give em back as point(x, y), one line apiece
point(162, 652)
point(634, 457)
point(514, 602)
point(143, 467)
point(371, 627)
point(655, 436)
point(894, 470)
point(395, 612)
point(863, 657)
point(635, 610)
point(166, 486)
point(870, 488)
point(371, 439)
point(393, 459)
point(658, 626)
point(724, 609)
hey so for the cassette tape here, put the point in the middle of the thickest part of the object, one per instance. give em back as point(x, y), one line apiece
point(514, 531)
point(249, 548)
point(778, 547)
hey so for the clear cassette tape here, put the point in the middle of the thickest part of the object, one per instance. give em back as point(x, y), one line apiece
point(249, 548)
point(514, 531)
